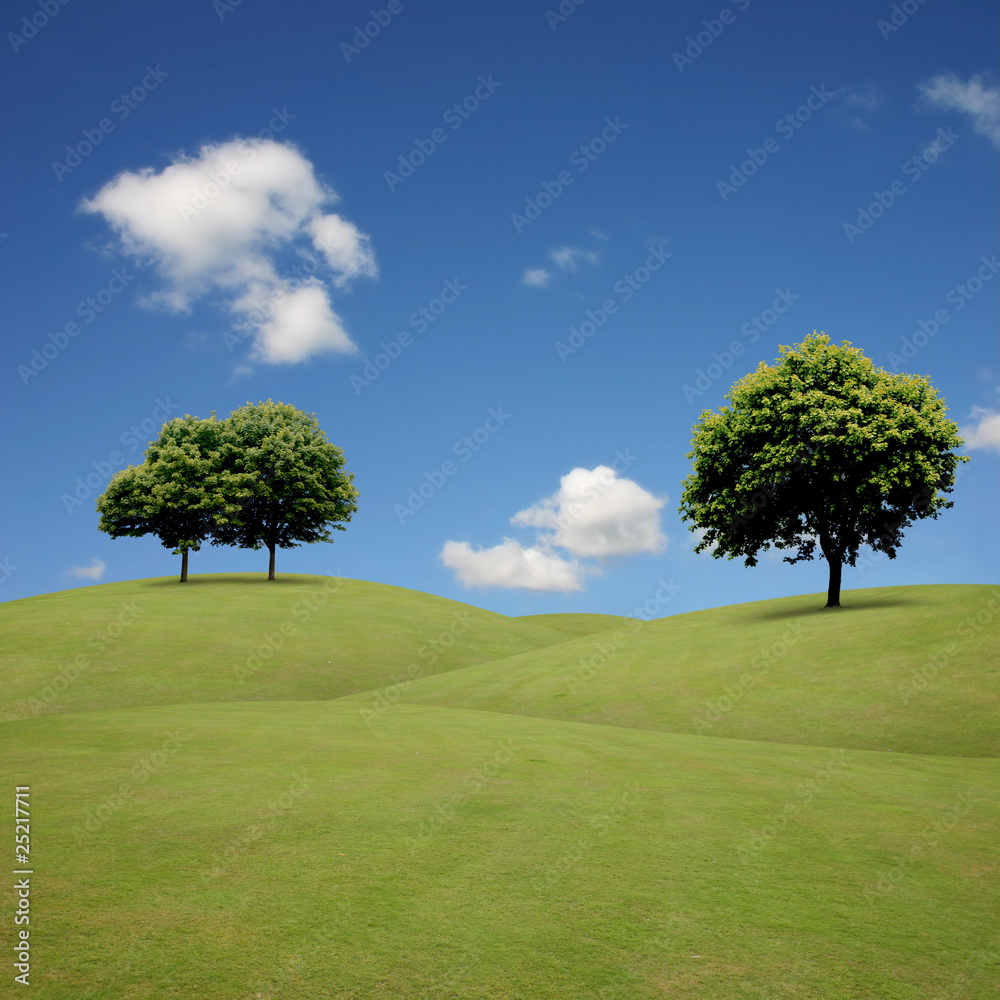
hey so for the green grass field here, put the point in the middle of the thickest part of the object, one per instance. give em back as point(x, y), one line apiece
point(506, 816)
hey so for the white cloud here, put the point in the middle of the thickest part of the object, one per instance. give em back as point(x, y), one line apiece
point(595, 514)
point(509, 564)
point(980, 102)
point(95, 571)
point(216, 222)
point(538, 277)
point(568, 258)
point(986, 432)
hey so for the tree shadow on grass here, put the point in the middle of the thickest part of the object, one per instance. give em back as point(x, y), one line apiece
point(848, 606)
point(247, 579)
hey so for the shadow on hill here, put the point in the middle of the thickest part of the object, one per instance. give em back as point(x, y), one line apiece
point(246, 578)
point(847, 606)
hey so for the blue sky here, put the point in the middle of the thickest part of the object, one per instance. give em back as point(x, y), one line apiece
point(518, 238)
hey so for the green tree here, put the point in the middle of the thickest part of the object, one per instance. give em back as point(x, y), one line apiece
point(821, 448)
point(297, 487)
point(181, 493)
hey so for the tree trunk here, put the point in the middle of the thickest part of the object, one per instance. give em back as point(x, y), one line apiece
point(184, 566)
point(270, 565)
point(833, 591)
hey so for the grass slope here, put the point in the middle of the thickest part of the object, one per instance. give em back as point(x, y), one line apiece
point(912, 669)
point(280, 850)
point(578, 624)
point(239, 637)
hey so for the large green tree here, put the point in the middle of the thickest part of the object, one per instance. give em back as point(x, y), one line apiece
point(182, 492)
point(298, 487)
point(821, 449)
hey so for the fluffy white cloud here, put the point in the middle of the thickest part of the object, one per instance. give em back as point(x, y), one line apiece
point(216, 222)
point(538, 277)
point(510, 564)
point(568, 258)
point(980, 102)
point(596, 514)
point(985, 433)
point(95, 571)
point(593, 515)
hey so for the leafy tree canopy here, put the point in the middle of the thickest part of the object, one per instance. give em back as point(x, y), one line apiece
point(821, 449)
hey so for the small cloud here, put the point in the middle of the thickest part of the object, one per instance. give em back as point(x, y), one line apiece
point(985, 433)
point(568, 258)
point(215, 224)
point(594, 514)
point(95, 571)
point(597, 234)
point(510, 564)
point(974, 98)
point(537, 277)
point(867, 101)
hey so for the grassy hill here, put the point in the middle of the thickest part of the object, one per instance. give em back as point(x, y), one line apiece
point(913, 669)
point(237, 637)
point(198, 837)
